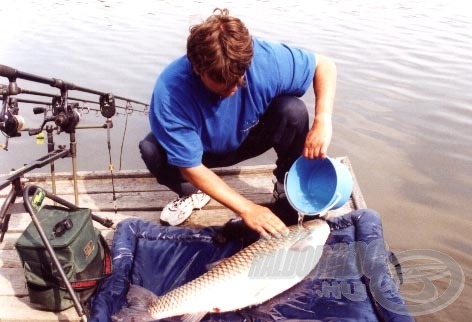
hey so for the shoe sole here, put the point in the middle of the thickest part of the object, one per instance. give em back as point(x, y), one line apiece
point(200, 205)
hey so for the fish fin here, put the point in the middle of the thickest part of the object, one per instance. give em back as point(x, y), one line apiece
point(193, 317)
point(138, 299)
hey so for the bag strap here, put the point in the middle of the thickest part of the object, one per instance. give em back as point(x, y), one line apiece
point(106, 271)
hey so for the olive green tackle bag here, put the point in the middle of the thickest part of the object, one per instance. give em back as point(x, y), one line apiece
point(80, 248)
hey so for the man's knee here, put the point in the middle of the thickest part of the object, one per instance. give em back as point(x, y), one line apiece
point(152, 153)
point(291, 108)
point(149, 147)
point(155, 158)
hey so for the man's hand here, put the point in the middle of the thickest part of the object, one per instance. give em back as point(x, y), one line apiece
point(262, 220)
point(257, 217)
point(319, 137)
point(324, 84)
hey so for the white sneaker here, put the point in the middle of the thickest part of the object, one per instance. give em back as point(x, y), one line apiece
point(178, 210)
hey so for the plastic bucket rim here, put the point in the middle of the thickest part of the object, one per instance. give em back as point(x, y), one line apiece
point(328, 205)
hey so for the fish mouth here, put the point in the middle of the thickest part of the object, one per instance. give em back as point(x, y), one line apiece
point(311, 223)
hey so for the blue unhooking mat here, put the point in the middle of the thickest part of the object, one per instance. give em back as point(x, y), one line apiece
point(352, 281)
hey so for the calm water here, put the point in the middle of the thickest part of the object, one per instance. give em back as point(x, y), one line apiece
point(403, 107)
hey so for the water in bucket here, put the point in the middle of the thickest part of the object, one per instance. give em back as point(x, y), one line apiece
point(314, 186)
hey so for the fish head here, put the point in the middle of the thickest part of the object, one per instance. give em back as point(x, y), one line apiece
point(311, 233)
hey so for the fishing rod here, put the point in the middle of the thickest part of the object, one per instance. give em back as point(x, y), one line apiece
point(13, 74)
point(65, 115)
point(4, 90)
point(11, 122)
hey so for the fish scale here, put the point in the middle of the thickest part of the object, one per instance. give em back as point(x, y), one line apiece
point(228, 286)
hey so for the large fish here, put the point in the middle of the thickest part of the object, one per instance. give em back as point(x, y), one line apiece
point(252, 276)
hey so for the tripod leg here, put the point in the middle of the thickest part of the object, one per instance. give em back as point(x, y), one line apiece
point(73, 150)
point(4, 214)
point(4, 223)
point(49, 130)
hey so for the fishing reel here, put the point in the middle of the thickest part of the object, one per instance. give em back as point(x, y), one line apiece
point(107, 105)
point(65, 117)
point(10, 122)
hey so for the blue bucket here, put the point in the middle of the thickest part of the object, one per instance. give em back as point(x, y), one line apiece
point(314, 186)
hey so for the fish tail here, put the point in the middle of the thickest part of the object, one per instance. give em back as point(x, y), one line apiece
point(139, 300)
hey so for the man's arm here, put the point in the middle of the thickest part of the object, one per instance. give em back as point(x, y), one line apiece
point(257, 217)
point(324, 85)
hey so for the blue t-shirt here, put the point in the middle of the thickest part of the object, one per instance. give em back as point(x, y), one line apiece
point(188, 119)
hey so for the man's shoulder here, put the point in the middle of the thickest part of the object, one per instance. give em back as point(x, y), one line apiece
point(291, 68)
point(277, 48)
point(268, 45)
point(271, 53)
point(261, 45)
point(269, 56)
point(178, 68)
point(177, 79)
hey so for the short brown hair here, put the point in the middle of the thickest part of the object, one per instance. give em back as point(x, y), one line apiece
point(220, 47)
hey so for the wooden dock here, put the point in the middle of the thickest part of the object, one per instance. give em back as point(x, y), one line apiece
point(137, 195)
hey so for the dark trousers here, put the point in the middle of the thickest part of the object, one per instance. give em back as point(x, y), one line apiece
point(283, 127)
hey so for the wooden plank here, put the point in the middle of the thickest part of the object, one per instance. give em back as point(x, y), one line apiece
point(138, 180)
point(147, 194)
point(137, 201)
point(104, 185)
point(213, 217)
point(18, 309)
point(9, 259)
point(357, 197)
point(142, 173)
point(142, 205)
point(12, 282)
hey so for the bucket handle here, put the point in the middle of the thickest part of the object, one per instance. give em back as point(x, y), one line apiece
point(329, 207)
point(335, 201)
